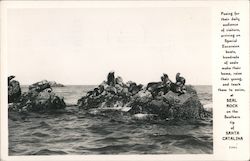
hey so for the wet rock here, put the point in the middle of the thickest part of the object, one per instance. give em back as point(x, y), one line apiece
point(14, 90)
point(133, 88)
point(40, 86)
point(39, 98)
point(110, 94)
point(119, 81)
point(165, 100)
point(171, 105)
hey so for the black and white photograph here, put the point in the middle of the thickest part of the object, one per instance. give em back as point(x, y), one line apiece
point(109, 80)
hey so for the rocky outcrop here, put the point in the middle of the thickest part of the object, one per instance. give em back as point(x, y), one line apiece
point(166, 100)
point(170, 105)
point(14, 90)
point(105, 95)
point(39, 98)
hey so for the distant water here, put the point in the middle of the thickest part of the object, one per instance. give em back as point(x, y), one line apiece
point(106, 131)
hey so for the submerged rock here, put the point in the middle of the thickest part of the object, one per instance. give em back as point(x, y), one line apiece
point(39, 98)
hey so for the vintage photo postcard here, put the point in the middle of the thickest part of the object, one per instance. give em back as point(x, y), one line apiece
point(124, 80)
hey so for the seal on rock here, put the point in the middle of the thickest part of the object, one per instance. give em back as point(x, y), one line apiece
point(14, 89)
point(111, 78)
point(180, 80)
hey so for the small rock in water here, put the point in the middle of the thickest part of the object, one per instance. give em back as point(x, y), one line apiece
point(39, 98)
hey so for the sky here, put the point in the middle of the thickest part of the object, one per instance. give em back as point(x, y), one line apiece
point(79, 46)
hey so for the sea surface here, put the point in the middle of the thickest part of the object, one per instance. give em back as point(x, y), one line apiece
point(106, 131)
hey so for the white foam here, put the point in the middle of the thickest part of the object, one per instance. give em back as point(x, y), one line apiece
point(125, 109)
point(208, 107)
point(142, 116)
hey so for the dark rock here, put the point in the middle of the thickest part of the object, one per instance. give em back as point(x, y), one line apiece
point(39, 98)
point(133, 88)
point(111, 78)
point(165, 100)
point(40, 86)
point(180, 80)
point(10, 78)
point(171, 105)
point(14, 90)
point(110, 94)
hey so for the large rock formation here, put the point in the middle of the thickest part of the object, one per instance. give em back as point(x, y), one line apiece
point(170, 105)
point(166, 100)
point(39, 98)
point(105, 95)
point(14, 90)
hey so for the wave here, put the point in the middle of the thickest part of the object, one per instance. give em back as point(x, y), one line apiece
point(107, 130)
point(39, 134)
point(48, 152)
point(113, 139)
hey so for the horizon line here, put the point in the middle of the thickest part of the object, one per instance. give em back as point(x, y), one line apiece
point(98, 84)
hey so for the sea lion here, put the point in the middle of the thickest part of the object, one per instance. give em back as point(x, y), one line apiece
point(14, 90)
point(96, 92)
point(153, 85)
point(111, 78)
point(132, 85)
point(89, 93)
point(180, 79)
point(176, 89)
point(164, 78)
point(101, 88)
point(180, 83)
point(10, 78)
point(118, 80)
point(155, 88)
point(136, 89)
point(166, 83)
point(111, 90)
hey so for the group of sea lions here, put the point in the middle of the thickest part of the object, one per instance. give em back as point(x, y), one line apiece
point(166, 85)
point(113, 85)
point(111, 92)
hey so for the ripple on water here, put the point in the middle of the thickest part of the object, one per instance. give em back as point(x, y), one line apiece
point(106, 133)
point(40, 134)
point(48, 152)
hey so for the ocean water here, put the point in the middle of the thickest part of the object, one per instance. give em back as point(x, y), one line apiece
point(106, 131)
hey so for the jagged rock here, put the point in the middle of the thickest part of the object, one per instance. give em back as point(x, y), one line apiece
point(166, 100)
point(39, 98)
point(14, 90)
point(110, 97)
point(171, 105)
point(113, 95)
point(40, 86)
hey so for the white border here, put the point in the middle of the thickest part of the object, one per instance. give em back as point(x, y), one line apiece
point(220, 153)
